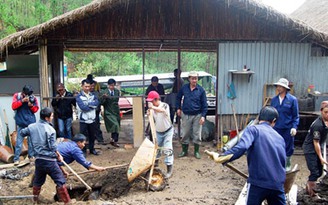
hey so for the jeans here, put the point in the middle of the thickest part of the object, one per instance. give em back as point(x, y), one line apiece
point(164, 141)
point(46, 167)
point(65, 128)
point(191, 129)
point(256, 195)
point(19, 144)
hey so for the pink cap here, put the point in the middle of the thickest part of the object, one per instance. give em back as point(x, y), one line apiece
point(152, 95)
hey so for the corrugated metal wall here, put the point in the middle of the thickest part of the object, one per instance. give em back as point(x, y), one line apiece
point(269, 61)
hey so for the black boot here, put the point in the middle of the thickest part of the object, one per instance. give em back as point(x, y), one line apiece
point(184, 150)
point(169, 171)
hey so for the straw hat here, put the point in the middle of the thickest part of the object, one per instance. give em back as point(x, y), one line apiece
point(193, 74)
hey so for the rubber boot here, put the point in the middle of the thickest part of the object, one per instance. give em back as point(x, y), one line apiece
point(63, 194)
point(169, 171)
point(36, 193)
point(184, 150)
point(196, 151)
point(288, 164)
point(310, 186)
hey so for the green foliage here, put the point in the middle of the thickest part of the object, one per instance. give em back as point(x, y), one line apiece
point(128, 63)
point(17, 15)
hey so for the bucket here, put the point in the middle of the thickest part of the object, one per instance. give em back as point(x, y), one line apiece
point(6, 154)
point(24, 146)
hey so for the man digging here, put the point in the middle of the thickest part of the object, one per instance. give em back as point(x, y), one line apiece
point(164, 129)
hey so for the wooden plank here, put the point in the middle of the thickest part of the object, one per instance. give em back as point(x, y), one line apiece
point(138, 121)
point(10, 165)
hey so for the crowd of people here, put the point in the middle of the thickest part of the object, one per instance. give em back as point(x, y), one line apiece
point(268, 144)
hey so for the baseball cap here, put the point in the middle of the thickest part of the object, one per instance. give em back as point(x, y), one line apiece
point(152, 95)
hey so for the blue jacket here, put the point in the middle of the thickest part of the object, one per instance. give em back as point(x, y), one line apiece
point(71, 152)
point(43, 139)
point(87, 106)
point(266, 156)
point(288, 112)
point(194, 102)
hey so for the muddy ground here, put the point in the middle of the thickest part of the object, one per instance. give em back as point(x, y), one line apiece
point(193, 181)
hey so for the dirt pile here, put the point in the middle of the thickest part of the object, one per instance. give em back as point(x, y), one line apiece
point(107, 185)
point(322, 191)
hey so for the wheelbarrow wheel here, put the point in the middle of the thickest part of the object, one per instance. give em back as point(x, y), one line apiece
point(158, 182)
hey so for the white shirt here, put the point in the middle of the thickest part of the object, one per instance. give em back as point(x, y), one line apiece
point(162, 119)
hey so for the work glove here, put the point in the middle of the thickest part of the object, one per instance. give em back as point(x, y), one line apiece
point(293, 132)
point(217, 158)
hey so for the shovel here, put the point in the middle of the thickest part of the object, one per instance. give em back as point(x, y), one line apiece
point(86, 192)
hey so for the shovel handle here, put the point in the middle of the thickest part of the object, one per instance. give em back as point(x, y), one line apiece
point(85, 184)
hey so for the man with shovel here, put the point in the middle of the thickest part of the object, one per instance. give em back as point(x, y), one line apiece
point(164, 129)
point(313, 148)
point(43, 140)
point(72, 151)
point(266, 157)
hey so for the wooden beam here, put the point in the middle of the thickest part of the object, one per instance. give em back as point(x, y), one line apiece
point(44, 73)
point(138, 121)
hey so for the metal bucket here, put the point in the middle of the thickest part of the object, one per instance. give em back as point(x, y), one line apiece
point(6, 154)
point(290, 179)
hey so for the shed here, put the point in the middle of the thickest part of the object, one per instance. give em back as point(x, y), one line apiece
point(241, 32)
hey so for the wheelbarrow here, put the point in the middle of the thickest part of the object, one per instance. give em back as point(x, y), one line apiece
point(142, 164)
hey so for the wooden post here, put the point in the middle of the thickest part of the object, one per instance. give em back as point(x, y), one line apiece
point(44, 73)
point(138, 121)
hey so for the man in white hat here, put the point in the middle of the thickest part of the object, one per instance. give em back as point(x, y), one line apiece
point(192, 111)
point(286, 125)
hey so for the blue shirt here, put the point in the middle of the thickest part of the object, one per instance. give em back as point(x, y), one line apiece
point(194, 101)
point(71, 152)
point(266, 156)
point(288, 112)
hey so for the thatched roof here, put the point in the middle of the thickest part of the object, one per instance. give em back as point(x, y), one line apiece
point(23, 39)
point(313, 13)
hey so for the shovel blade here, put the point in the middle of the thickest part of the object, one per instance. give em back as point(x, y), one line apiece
point(85, 195)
